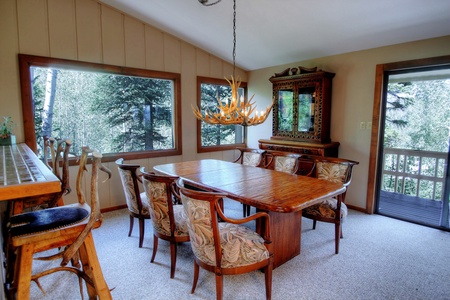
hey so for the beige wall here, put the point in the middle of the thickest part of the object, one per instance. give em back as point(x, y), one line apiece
point(87, 30)
point(352, 99)
point(90, 31)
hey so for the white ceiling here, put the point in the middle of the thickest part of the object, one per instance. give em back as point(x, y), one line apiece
point(275, 32)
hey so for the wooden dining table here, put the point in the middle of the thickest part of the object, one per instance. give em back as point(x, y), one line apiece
point(281, 195)
point(22, 174)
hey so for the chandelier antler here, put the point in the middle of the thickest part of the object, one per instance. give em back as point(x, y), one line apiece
point(205, 2)
point(236, 111)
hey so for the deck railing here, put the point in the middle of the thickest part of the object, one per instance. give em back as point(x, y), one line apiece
point(415, 173)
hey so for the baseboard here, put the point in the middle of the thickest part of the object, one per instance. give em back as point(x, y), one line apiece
point(113, 208)
point(357, 208)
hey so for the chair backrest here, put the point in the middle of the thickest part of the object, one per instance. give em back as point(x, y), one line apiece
point(161, 190)
point(95, 216)
point(129, 179)
point(201, 211)
point(282, 161)
point(251, 157)
point(334, 169)
point(57, 152)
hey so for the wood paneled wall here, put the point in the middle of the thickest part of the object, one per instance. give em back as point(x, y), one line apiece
point(87, 30)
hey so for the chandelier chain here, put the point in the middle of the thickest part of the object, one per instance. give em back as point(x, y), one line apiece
point(236, 110)
point(234, 38)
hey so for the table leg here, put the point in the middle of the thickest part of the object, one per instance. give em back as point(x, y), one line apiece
point(285, 229)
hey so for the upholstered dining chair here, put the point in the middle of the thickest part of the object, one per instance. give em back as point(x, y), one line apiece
point(66, 228)
point(226, 247)
point(57, 152)
point(249, 157)
point(168, 219)
point(137, 202)
point(332, 210)
point(282, 161)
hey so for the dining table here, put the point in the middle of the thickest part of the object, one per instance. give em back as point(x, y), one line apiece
point(22, 174)
point(282, 195)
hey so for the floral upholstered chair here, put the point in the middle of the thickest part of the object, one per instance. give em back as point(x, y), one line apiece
point(168, 219)
point(137, 202)
point(250, 157)
point(332, 210)
point(282, 161)
point(225, 248)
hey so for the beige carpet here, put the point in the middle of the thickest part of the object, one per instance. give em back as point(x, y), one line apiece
point(380, 258)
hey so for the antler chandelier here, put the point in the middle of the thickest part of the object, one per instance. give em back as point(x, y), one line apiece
point(237, 110)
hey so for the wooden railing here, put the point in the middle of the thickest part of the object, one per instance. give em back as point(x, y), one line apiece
point(413, 172)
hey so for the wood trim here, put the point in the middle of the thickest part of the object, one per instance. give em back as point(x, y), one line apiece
point(376, 122)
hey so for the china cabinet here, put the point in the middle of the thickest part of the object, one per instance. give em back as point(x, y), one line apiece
point(302, 112)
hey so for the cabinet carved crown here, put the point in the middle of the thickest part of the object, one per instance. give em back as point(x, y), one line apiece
point(302, 106)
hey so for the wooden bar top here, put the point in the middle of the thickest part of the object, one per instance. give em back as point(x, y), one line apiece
point(23, 174)
point(264, 189)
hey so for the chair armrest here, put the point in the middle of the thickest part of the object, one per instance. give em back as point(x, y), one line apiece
point(258, 215)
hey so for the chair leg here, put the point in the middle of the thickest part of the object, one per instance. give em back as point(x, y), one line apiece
point(131, 225)
point(92, 268)
point(196, 271)
point(245, 210)
point(141, 232)
point(22, 274)
point(268, 280)
point(314, 224)
point(219, 287)
point(337, 235)
point(155, 247)
point(173, 258)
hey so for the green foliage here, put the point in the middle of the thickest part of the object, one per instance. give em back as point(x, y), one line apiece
point(6, 128)
point(214, 135)
point(418, 115)
point(110, 113)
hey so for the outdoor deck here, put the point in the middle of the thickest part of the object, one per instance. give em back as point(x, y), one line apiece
point(409, 208)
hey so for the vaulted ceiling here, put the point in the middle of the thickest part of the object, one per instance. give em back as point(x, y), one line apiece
point(274, 32)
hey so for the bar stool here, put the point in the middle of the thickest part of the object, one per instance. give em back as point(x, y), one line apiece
point(66, 227)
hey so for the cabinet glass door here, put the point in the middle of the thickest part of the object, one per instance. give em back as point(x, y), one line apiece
point(306, 110)
point(285, 110)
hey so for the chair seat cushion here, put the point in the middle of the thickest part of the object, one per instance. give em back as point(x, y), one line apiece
point(240, 246)
point(46, 220)
point(326, 209)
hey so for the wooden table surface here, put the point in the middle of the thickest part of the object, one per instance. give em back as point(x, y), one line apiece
point(262, 188)
point(280, 194)
point(23, 174)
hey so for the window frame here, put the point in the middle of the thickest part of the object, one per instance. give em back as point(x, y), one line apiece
point(27, 61)
point(203, 149)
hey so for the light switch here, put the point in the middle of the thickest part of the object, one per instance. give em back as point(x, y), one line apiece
point(369, 125)
point(362, 125)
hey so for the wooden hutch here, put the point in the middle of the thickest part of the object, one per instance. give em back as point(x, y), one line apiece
point(301, 112)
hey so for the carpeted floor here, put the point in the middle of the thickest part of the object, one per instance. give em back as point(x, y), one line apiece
point(380, 258)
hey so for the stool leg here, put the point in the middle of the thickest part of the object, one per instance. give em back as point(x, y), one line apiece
point(22, 274)
point(91, 267)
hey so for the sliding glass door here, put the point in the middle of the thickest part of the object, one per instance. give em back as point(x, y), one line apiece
point(413, 170)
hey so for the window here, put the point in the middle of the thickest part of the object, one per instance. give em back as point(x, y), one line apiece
point(118, 111)
point(217, 137)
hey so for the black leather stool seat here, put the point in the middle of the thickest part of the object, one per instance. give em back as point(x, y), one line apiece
point(46, 219)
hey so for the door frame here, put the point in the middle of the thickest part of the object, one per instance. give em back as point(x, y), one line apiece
point(376, 117)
